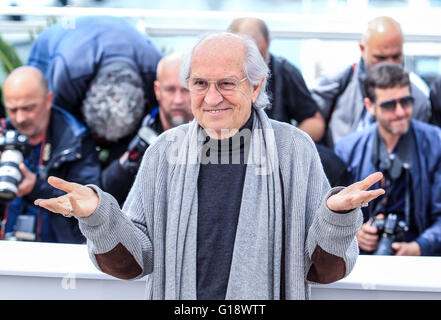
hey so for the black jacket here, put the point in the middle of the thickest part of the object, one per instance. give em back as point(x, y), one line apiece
point(435, 99)
point(115, 179)
point(291, 100)
point(289, 95)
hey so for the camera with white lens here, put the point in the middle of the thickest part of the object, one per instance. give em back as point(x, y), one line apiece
point(14, 148)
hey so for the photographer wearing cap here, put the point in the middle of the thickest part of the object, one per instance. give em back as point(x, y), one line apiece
point(407, 152)
point(58, 144)
point(174, 109)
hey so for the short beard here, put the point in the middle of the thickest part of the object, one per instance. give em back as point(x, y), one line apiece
point(394, 132)
point(178, 119)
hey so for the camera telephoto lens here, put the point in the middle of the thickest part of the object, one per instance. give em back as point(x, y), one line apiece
point(10, 174)
point(14, 147)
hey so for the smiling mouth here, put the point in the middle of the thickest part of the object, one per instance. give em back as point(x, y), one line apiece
point(215, 111)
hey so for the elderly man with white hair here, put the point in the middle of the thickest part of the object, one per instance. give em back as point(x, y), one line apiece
point(231, 206)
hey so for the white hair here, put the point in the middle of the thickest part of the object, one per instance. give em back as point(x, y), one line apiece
point(114, 105)
point(254, 66)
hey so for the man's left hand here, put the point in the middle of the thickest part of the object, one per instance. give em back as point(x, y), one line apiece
point(407, 248)
point(355, 195)
point(27, 184)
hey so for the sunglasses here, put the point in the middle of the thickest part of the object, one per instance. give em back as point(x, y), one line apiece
point(390, 105)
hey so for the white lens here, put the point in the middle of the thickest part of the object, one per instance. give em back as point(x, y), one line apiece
point(12, 156)
point(10, 171)
point(5, 185)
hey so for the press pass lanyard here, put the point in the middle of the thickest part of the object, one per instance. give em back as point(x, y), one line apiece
point(39, 228)
point(5, 213)
point(407, 195)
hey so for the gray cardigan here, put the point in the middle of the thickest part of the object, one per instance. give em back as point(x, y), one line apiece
point(320, 245)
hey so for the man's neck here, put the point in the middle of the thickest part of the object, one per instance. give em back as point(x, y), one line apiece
point(35, 140)
point(390, 140)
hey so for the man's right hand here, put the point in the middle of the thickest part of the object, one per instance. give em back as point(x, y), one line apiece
point(367, 236)
point(79, 200)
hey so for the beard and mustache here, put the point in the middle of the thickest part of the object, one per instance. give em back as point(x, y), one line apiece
point(177, 119)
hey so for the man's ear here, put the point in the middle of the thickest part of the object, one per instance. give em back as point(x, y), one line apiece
point(256, 90)
point(370, 107)
point(49, 98)
point(157, 91)
point(362, 47)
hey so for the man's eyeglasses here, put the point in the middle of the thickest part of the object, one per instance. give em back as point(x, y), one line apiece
point(390, 105)
point(225, 86)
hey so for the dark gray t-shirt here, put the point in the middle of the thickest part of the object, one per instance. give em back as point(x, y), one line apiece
point(220, 185)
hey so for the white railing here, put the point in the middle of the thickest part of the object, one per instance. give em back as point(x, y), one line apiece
point(48, 271)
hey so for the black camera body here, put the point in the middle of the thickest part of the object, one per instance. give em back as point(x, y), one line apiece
point(14, 147)
point(390, 230)
point(137, 147)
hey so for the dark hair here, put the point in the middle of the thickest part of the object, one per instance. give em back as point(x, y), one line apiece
point(385, 75)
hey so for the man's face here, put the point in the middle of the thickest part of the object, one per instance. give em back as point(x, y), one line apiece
point(382, 48)
point(396, 121)
point(28, 108)
point(216, 59)
point(173, 98)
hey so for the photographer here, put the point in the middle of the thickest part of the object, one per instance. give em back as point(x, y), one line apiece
point(408, 153)
point(98, 57)
point(173, 110)
point(58, 145)
point(291, 100)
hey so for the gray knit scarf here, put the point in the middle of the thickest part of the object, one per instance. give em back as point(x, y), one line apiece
point(255, 266)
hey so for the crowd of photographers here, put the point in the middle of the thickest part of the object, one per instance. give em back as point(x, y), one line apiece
point(92, 99)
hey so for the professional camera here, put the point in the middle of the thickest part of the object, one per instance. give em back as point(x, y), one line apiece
point(139, 144)
point(14, 147)
point(390, 230)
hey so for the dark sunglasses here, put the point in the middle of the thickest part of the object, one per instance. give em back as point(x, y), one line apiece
point(390, 105)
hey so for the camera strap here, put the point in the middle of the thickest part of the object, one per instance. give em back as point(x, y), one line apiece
point(40, 167)
point(150, 118)
point(392, 166)
point(407, 195)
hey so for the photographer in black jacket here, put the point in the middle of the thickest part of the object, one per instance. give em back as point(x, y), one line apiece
point(290, 98)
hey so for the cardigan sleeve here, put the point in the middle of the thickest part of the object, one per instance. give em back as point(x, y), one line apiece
point(331, 244)
point(120, 241)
